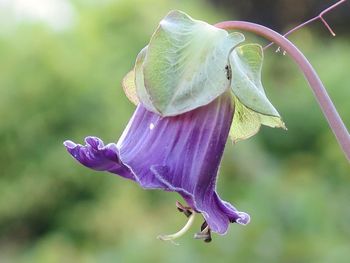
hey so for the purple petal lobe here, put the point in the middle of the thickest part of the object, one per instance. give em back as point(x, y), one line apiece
point(99, 157)
point(180, 153)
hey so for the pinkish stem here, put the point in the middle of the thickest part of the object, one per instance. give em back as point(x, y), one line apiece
point(326, 104)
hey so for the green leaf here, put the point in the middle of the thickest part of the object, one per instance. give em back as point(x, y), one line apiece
point(184, 67)
point(246, 63)
point(247, 123)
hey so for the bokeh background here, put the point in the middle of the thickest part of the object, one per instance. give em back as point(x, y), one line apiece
point(61, 65)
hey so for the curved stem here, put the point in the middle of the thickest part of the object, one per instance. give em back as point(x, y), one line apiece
point(329, 110)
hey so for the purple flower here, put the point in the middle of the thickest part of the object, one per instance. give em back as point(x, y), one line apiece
point(180, 153)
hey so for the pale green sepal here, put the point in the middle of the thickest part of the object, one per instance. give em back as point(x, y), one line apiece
point(141, 91)
point(129, 87)
point(246, 63)
point(247, 123)
point(185, 64)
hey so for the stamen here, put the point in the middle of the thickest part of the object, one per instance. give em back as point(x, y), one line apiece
point(205, 233)
point(181, 232)
point(184, 209)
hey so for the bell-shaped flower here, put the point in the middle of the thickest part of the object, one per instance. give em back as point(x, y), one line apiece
point(193, 87)
point(180, 153)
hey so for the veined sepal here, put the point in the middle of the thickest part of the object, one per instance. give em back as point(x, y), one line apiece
point(246, 122)
point(183, 66)
point(129, 87)
point(252, 107)
point(188, 63)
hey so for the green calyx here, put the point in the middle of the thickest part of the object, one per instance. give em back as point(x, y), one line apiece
point(188, 63)
point(252, 107)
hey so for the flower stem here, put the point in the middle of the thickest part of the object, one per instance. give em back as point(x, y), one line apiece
point(326, 104)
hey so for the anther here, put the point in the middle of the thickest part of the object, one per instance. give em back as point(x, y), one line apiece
point(205, 233)
point(184, 209)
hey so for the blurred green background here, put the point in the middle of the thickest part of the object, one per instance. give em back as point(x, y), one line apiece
point(60, 79)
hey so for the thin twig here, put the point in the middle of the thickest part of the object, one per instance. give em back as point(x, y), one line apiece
point(319, 17)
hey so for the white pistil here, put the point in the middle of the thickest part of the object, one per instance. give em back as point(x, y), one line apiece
point(181, 232)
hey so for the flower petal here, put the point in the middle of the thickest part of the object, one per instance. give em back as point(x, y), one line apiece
point(182, 154)
point(97, 156)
